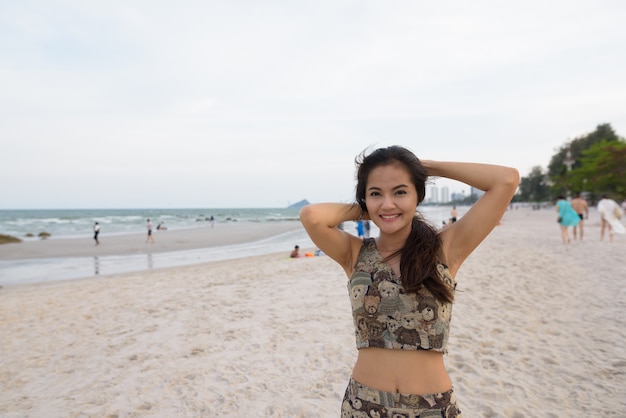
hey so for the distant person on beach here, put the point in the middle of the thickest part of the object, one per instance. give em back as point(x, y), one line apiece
point(401, 284)
point(296, 252)
point(610, 215)
point(366, 228)
point(360, 230)
point(579, 204)
point(161, 227)
point(212, 221)
point(453, 214)
point(96, 232)
point(149, 226)
point(567, 217)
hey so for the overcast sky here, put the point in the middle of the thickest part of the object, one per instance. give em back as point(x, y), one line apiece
point(139, 104)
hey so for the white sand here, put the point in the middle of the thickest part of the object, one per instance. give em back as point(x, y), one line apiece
point(538, 330)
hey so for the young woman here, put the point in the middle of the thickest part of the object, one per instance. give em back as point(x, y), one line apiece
point(401, 284)
point(567, 217)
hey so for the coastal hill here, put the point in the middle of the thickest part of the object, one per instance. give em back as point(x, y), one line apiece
point(299, 204)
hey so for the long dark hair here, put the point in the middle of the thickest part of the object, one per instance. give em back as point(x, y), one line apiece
point(422, 251)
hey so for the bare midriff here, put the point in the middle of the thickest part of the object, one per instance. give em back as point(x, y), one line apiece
point(403, 371)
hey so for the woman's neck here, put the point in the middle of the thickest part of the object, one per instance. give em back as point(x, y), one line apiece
point(390, 243)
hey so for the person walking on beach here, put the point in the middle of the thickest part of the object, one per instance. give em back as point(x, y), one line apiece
point(579, 204)
point(401, 284)
point(610, 215)
point(149, 226)
point(567, 217)
point(453, 214)
point(96, 232)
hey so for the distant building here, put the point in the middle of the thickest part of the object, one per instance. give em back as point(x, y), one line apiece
point(434, 195)
point(445, 194)
point(476, 193)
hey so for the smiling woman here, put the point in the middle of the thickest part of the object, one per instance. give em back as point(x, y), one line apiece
point(402, 283)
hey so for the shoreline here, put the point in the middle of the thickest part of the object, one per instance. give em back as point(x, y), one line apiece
point(62, 259)
point(132, 244)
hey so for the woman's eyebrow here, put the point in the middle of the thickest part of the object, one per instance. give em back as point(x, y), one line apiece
point(399, 186)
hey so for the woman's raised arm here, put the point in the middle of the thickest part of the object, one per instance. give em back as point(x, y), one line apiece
point(321, 222)
point(499, 184)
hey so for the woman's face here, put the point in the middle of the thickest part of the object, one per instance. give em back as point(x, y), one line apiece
point(391, 198)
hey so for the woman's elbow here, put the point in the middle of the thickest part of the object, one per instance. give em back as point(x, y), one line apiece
point(307, 215)
point(511, 178)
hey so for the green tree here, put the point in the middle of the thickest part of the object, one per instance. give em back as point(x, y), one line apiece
point(557, 170)
point(535, 187)
point(602, 169)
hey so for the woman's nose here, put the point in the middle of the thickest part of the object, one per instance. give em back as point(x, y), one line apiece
point(388, 202)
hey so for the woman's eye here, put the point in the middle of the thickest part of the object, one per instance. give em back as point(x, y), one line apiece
point(374, 194)
point(401, 192)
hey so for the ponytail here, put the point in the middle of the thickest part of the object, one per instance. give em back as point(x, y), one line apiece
point(419, 259)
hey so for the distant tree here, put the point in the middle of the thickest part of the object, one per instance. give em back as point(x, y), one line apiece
point(535, 187)
point(602, 169)
point(557, 170)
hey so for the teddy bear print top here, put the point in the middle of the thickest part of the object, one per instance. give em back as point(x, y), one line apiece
point(385, 316)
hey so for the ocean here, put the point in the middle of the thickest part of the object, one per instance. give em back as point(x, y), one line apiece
point(77, 223)
point(74, 223)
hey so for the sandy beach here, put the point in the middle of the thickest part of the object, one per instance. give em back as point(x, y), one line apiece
point(538, 330)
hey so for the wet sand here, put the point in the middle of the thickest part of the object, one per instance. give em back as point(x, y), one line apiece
point(164, 241)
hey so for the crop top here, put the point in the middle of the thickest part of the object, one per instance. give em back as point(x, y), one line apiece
point(386, 316)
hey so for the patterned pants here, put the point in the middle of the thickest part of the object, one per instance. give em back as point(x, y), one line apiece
point(362, 401)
